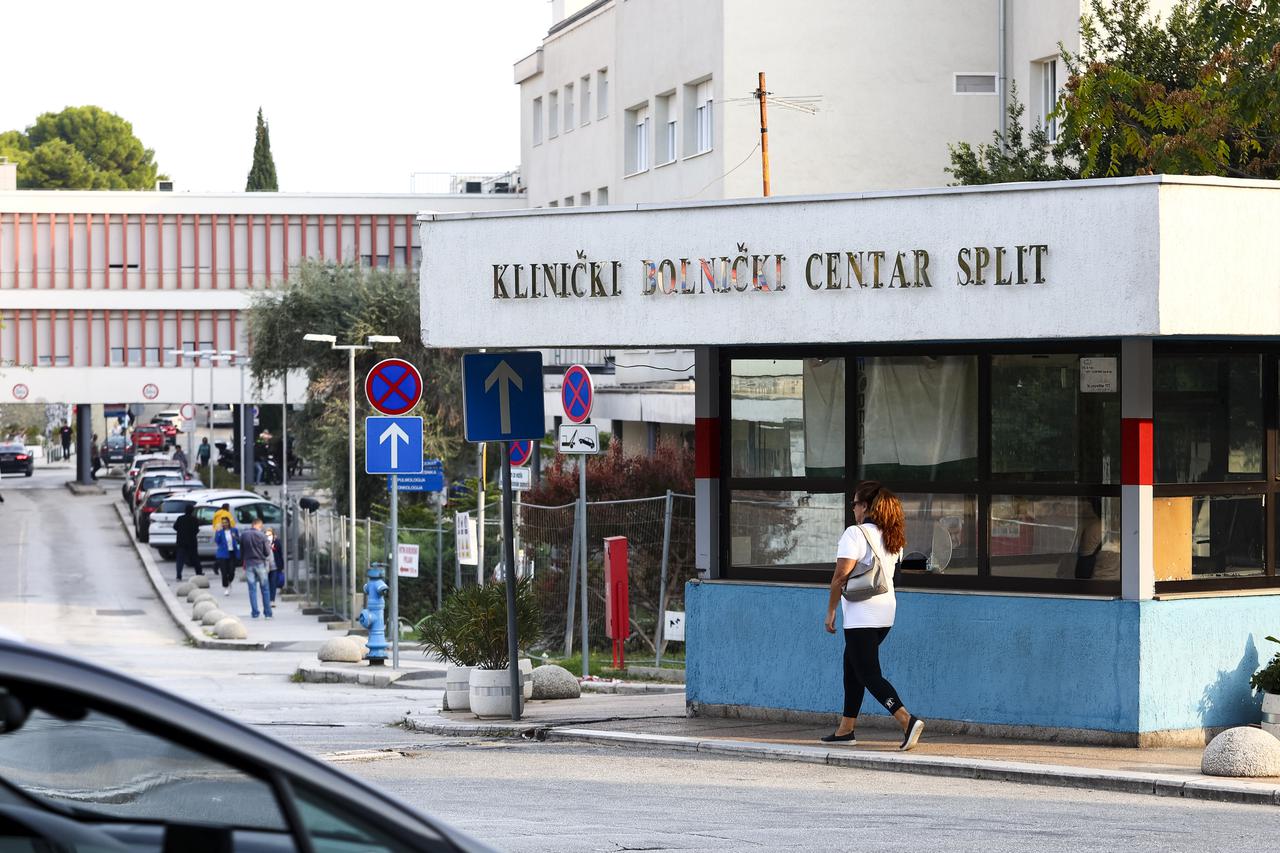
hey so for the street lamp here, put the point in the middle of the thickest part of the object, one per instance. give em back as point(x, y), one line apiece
point(352, 349)
point(214, 356)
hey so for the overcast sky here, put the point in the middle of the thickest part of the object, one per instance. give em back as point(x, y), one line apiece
point(357, 95)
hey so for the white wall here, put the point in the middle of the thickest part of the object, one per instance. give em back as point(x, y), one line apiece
point(125, 385)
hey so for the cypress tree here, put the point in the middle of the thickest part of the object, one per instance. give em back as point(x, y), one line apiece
point(262, 175)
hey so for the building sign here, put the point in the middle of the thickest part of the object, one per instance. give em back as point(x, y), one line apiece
point(407, 560)
point(1098, 375)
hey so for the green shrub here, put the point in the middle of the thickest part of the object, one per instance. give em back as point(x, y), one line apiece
point(470, 629)
point(1267, 679)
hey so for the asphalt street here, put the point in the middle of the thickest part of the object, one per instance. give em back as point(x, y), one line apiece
point(69, 578)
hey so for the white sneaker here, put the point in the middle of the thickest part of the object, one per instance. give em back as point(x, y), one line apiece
point(227, 591)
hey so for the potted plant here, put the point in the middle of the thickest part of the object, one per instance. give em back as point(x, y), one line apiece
point(443, 634)
point(1267, 680)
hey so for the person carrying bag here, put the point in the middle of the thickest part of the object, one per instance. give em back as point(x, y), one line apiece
point(862, 586)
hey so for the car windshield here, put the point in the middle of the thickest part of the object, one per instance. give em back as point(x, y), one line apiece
point(117, 441)
point(11, 448)
point(174, 506)
point(150, 482)
point(96, 763)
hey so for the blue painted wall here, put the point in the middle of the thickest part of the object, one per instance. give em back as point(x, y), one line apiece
point(1116, 666)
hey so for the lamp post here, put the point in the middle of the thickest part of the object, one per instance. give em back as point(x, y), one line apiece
point(195, 356)
point(214, 356)
point(352, 349)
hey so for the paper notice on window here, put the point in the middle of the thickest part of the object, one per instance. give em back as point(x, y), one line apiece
point(1098, 375)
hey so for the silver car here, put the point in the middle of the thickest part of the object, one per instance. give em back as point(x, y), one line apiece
point(163, 537)
point(245, 511)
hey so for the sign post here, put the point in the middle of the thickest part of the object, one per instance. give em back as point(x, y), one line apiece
point(502, 401)
point(577, 396)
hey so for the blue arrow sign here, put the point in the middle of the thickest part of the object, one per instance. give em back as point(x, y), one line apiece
point(502, 396)
point(393, 445)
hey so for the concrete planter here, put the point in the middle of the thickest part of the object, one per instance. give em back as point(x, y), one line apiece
point(457, 687)
point(1271, 713)
point(491, 692)
point(526, 678)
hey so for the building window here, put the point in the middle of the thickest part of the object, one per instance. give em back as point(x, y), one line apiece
point(602, 195)
point(553, 115)
point(665, 108)
point(698, 119)
point(975, 84)
point(569, 121)
point(584, 86)
point(553, 204)
point(1048, 73)
point(537, 121)
point(568, 201)
point(637, 141)
point(585, 199)
point(602, 93)
point(117, 356)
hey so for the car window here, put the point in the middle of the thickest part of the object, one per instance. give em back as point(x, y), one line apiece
point(246, 514)
point(179, 506)
point(204, 514)
point(270, 512)
point(333, 828)
point(95, 762)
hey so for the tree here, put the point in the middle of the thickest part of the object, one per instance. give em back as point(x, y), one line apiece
point(1198, 93)
point(351, 303)
point(262, 174)
point(80, 148)
point(1013, 156)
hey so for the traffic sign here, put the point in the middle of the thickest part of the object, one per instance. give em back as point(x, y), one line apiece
point(20, 391)
point(393, 386)
point(577, 394)
point(393, 445)
point(418, 482)
point(502, 396)
point(521, 453)
point(579, 438)
point(150, 391)
point(521, 479)
point(188, 412)
point(407, 560)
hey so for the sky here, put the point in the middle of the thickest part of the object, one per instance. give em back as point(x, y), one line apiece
point(357, 95)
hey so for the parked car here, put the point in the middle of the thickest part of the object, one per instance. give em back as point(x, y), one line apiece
point(95, 760)
point(222, 415)
point(168, 427)
point(155, 499)
point(14, 459)
point(149, 437)
point(116, 450)
point(160, 479)
point(162, 536)
point(141, 462)
point(244, 509)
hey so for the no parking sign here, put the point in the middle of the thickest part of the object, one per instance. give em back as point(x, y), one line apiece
point(577, 394)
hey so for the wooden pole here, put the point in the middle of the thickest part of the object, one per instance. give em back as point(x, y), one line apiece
point(763, 95)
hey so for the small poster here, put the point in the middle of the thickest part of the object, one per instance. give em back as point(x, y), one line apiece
point(673, 626)
point(465, 539)
point(1098, 375)
point(407, 560)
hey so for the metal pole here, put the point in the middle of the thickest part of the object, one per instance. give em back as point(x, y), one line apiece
point(351, 467)
point(284, 476)
point(662, 582)
point(395, 572)
point(208, 422)
point(439, 550)
point(191, 437)
point(509, 576)
point(480, 460)
point(764, 134)
point(246, 428)
point(573, 585)
point(582, 562)
point(457, 563)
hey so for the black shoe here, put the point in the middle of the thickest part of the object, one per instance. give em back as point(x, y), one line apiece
point(851, 737)
point(911, 736)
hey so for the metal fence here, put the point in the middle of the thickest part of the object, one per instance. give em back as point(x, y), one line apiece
point(660, 537)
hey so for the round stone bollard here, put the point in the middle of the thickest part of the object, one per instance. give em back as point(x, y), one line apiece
point(1242, 751)
point(184, 589)
point(201, 581)
point(201, 608)
point(554, 682)
point(230, 629)
point(212, 617)
point(197, 594)
point(340, 650)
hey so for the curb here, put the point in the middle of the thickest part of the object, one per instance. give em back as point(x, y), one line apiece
point(629, 687)
point(316, 673)
point(80, 490)
point(1189, 786)
point(184, 623)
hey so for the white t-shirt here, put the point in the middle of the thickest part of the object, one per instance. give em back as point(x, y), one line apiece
point(878, 610)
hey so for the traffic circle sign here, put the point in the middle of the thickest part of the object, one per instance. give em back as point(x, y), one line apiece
point(20, 391)
point(393, 386)
point(150, 391)
point(188, 412)
point(521, 452)
point(577, 394)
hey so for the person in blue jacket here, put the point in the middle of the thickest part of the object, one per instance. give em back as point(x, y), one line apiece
point(226, 543)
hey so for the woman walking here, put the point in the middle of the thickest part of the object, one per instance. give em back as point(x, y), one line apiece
point(878, 534)
point(226, 542)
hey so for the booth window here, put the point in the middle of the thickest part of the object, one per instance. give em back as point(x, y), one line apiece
point(1007, 462)
point(1214, 431)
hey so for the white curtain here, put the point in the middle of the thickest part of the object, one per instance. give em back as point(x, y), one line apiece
point(919, 410)
point(823, 416)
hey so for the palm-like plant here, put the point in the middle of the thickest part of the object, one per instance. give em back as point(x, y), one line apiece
point(470, 629)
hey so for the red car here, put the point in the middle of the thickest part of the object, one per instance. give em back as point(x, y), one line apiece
point(168, 427)
point(149, 438)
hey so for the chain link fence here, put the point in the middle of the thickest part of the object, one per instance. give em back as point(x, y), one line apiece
point(660, 538)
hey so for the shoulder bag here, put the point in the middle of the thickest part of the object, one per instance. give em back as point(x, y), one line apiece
point(866, 582)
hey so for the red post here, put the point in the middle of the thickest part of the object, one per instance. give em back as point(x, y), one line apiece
point(617, 603)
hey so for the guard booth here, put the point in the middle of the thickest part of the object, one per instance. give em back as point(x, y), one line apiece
point(1074, 387)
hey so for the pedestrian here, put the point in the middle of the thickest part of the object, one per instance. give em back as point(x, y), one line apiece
point(257, 558)
point(65, 435)
point(223, 513)
point(186, 546)
point(95, 456)
point(277, 569)
point(226, 543)
point(203, 452)
point(181, 459)
point(878, 534)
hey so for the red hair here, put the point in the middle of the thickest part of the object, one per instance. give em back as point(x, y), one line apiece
point(884, 510)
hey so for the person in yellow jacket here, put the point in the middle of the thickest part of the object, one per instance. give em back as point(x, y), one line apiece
point(223, 512)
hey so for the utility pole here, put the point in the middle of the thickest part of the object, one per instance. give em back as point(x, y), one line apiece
point(762, 95)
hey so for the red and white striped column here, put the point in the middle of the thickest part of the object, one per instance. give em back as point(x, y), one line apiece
point(1137, 464)
point(706, 460)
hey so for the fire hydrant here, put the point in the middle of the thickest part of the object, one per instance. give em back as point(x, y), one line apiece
point(372, 617)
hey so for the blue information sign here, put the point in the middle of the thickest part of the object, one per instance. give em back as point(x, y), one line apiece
point(430, 480)
point(393, 445)
point(502, 396)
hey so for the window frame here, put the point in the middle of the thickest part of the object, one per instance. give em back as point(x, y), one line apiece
point(984, 486)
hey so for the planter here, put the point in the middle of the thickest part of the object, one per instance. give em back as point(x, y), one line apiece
point(526, 678)
point(1271, 713)
point(491, 692)
point(457, 687)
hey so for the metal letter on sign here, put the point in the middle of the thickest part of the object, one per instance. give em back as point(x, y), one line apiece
point(577, 394)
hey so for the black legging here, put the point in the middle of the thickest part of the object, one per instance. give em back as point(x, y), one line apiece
point(862, 670)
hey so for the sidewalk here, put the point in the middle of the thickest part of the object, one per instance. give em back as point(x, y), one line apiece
point(658, 721)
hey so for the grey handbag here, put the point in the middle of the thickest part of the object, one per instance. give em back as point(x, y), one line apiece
point(871, 581)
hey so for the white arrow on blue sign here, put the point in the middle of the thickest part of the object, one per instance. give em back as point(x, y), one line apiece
point(393, 445)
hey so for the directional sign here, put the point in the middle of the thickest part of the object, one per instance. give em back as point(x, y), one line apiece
point(393, 386)
point(577, 394)
point(521, 453)
point(427, 482)
point(393, 445)
point(579, 438)
point(502, 396)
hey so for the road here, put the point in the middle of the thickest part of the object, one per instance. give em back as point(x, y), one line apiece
point(70, 579)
